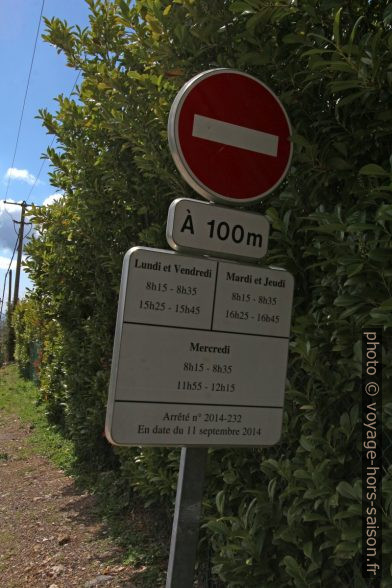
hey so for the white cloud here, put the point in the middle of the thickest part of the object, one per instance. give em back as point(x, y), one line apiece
point(23, 175)
point(8, 236)
point(4, 263)
point(52, 198)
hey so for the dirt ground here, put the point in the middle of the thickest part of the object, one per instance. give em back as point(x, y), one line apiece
point(49, 534)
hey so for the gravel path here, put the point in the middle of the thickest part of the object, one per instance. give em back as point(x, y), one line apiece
point(49, 534)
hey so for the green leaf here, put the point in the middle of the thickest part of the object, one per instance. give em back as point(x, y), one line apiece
point(336, 27)
point(308, 549)
point(330, 228)
point(306, 443)
point(351, 533)
point(317, 52)
point(217, 526)
point(387, 16)
point(360, 227)
point(386, 305)
point(345, 489)
point(339, 164)
point(349, 99)
point(340, 66)
point(229, 477)
point(342, 85)
point(346, 300)
point(294, 569)
point(382, 255)
point(302, 474)
point(327, 545)
point(351, 310)
point(313, 516)
point(220, 501)
point(293, 38)
point(353, 33)
point(372, 169)
point(346, 550)
point(271, 488)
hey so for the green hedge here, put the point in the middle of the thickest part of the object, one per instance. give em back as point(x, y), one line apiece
point(28, 329)
point(288, 515)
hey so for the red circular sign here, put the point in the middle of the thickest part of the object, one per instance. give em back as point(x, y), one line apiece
point(229, 136)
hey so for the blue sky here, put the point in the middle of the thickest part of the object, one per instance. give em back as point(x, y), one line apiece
point(50, 77)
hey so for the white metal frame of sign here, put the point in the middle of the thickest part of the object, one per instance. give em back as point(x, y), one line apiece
point(200, 352)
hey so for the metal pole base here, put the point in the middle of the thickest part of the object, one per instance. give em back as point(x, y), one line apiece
point(185, 533)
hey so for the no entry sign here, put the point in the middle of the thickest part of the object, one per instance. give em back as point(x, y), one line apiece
point(229, 136)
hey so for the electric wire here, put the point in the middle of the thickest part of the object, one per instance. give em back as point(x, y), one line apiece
point(16, 147)
point(44, 160)
point(15, 231)
point(31, 228)
point(6, 211)
point(25, 97)
point(31, 190)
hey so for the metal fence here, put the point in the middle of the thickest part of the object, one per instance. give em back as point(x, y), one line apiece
point(32, 367)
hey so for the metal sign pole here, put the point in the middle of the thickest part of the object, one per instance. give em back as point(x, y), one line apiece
point(185, 532)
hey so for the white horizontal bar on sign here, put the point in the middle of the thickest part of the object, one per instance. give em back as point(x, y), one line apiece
point(234, 135)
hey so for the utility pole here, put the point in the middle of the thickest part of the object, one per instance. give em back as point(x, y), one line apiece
point(10, 330)
point(20, 251)
point(9, 289)
point(21, 224)
point(11, 307)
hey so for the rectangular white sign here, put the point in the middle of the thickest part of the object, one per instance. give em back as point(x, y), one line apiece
point(200, 366)
point(200, 352)
point(200, 227)
point(226, 133)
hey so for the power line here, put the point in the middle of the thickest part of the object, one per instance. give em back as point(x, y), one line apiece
point(75, 82)
point(39, 173)
point(6, 211)
point(19, 246)
point(31, 228)
point(51, 143)
point(25, 96)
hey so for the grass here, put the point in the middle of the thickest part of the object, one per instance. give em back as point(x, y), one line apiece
point(138, 531)
point(19, 397)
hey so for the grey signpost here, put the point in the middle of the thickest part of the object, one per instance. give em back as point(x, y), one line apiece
point(194, 323)
point(185, 534)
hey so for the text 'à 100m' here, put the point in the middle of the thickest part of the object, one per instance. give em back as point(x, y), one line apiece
point(198, 386)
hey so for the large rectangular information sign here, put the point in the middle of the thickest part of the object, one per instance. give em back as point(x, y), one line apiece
point(200, 352)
